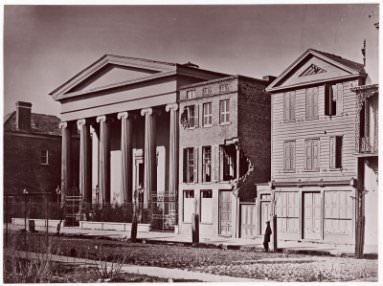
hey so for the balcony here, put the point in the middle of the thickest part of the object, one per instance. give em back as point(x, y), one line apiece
point(368, 145)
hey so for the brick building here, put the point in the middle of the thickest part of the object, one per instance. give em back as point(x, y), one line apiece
point(315, 148)
point(224, 150)
point(32, 151)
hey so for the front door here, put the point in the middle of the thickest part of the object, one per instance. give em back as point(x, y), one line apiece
point(265, 215)
point(224, 210)
point(311, 215)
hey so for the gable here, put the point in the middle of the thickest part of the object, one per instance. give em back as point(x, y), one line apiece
point(109, 75)
point(313, 69)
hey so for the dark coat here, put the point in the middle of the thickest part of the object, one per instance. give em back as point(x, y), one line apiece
point(268, 233)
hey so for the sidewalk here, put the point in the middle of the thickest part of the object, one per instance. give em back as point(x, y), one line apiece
point(223, 242)
point(168, 273)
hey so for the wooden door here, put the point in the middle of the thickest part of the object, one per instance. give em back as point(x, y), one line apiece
point(312, 215)
point(224, 210)
point(265, 215)
point(248, 217)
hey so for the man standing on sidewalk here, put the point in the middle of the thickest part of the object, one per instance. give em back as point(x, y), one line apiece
point(266, 238)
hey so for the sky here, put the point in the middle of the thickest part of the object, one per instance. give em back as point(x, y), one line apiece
point(46, 45)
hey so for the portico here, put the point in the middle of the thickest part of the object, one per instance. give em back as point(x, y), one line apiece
point(126, 114)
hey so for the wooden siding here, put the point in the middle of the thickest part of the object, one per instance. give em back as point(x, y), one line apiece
point(322, 128)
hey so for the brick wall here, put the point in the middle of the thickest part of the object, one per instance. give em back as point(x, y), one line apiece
point(254, 123)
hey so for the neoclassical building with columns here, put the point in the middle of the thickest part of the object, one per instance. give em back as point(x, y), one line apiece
point(125, 111)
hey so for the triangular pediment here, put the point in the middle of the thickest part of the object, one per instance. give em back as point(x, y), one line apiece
point(111, 70)
point(314, 66)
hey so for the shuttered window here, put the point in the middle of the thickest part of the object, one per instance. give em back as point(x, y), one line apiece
point(289, 106)
point(206, 206)
point(189, 165)
point(334, 99)
point(312, 154)
point(289, 155)
point(207, 114)
point(312, 103)
point(336, 143)
point(338, 212)
point(189, 205)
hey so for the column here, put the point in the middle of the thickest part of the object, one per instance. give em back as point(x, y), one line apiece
point(150, 166)
point(173, 148)
point(104, 160)
point(65, 160)
point(85, 161)
point(126, 156)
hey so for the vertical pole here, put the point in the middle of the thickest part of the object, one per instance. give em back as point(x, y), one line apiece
point(7, 218)
point(46, 220)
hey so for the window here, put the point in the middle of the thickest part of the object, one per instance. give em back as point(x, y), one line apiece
point(289, 156)
point(206, 164)
point(206, 91)
point(189, 165)
point(224, 87)
point(206, 207)
point(191, 116)
point(312, 154)
point(189, 205)
point(336, 152)
point(44, 157)
point(312, 103)
point(333, 99)
point(289, 106)
point(224, 111)
point(190, 94)
point(227, 162)
point(207, 114)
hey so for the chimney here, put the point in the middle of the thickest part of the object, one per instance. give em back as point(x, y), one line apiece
point(269, 78)
point(191, 65)
point(23, 115)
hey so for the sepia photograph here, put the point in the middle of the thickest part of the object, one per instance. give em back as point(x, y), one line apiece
point(191, 143)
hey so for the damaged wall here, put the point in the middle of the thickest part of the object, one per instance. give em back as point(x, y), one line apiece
point(254, 123)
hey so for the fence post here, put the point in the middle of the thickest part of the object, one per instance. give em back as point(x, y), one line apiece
point(195, 228)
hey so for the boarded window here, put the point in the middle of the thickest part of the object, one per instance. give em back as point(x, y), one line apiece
point(207, 114)
point(312, 154)
point(44, 157)
point(338, 212)
point(206, 206)
point(287, 210)
point(206, 164)
point(289, 106)
point(224, 111)
point(336, 143)
point(189, 205)
point(289, 155)
point(312, 103)
point(189, 165)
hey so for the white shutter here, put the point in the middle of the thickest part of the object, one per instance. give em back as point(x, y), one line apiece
point(339, 99)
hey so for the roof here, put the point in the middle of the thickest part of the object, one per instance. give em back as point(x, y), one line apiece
point(351, 64)
point(42, 124)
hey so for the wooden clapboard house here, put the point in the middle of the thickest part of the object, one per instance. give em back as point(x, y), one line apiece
point(313, 162)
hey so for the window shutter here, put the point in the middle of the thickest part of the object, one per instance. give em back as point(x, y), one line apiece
point(308, 164)
point(339, 99)
point(286, 108)
point(286, 156)
point(309, 106)
point(332, 152)
point(292, 107)
point(292, 155)
point(315, 95)
point(315, 160)
point(196, 152)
